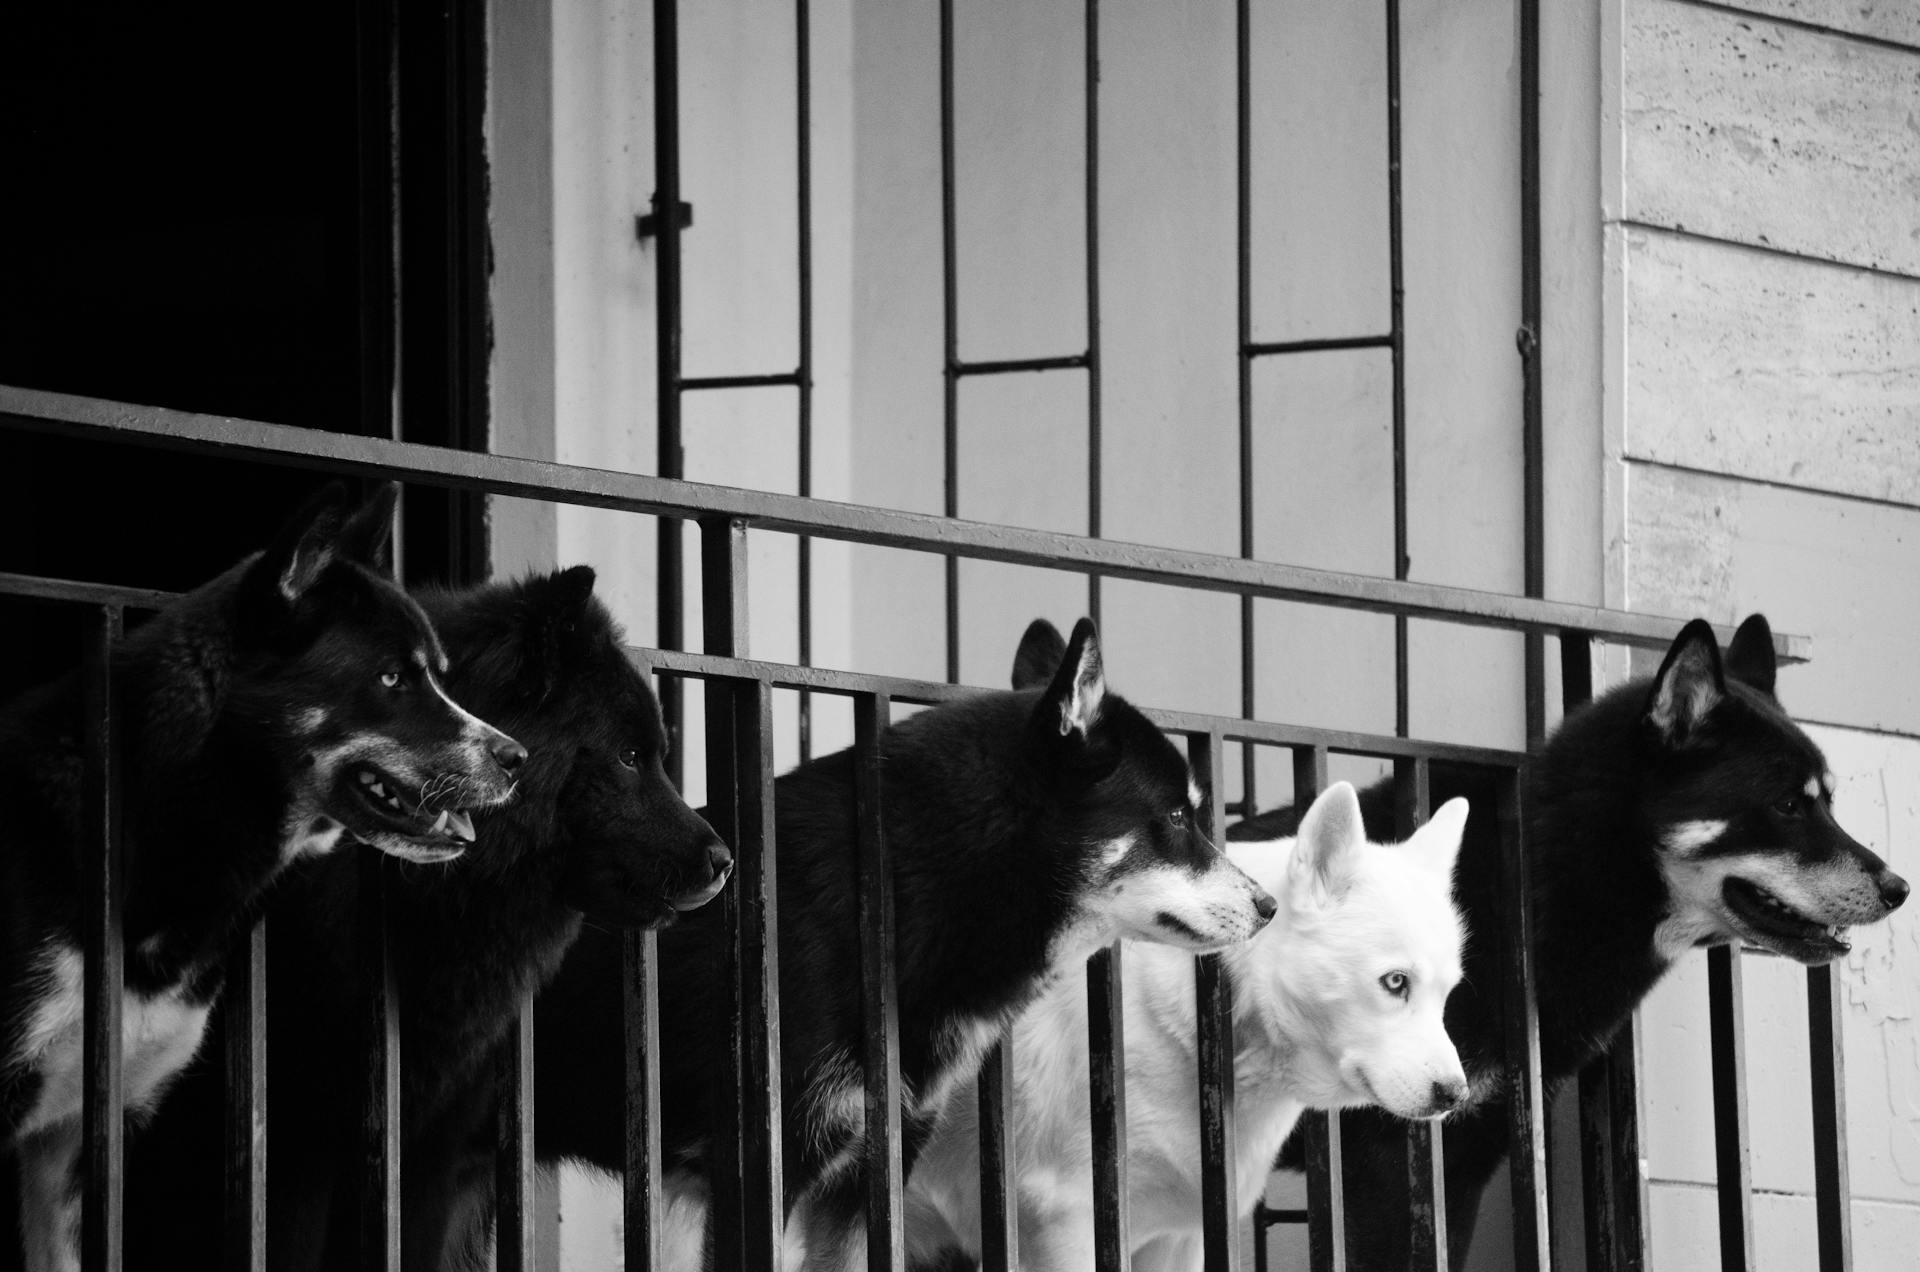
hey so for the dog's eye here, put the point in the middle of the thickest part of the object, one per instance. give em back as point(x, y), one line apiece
point(630, 757)
point(1178, 817)
point(390, 678)
point(1791, 806)
point(1395, 983)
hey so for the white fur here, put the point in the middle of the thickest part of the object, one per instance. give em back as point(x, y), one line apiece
point(1313, 1028)
point(158, 1037)
point(1691, 836)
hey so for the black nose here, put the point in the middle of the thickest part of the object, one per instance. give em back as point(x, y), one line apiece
point(719, 860)
point(1264, 904)
point(1893, 890)
point(507, 753)
point(1447, 1096)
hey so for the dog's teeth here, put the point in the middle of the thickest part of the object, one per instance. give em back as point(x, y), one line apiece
point(440, 822)
point(379, 790)
point(460, 824)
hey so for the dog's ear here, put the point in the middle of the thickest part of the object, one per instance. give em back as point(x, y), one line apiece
point(1039, 655)
point(1750, 656)
point(1323, 855)
point(367, 537)
point(555, 607)
point(1071, 704)
point(1689, 686)
point(304, 548)
point(1437, 843)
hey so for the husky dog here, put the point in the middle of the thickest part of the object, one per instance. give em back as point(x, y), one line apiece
point(1668, 814)
point(1337, 1003)
point(1026, 830)
point(595, 832)
point(289, 705)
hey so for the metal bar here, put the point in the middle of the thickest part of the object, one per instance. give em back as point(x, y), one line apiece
point(1010, 366)
point(669, 619)
point(950, 336)
point(103, 887)
point(772, 380)
point(639, 492)
point(1326, 1185)
point(31, 587)
point(640, 1011)
point(886, 1236)
point(1107, 1108)
point(1213, 1011)
point(803, 162)
point(1527, 1146)
point(1323, 344)
point(723, 586)
point(754, 887)
point(1095, 429)
point(1243, 275)
point(244, 1027)
point(1532, 462)
point(380, 1078)
point(1397, 344)
point(1426, 1159)
point(513, 1157)
point(1731, 1143)
point(1832, 1189)
point(999, 1221)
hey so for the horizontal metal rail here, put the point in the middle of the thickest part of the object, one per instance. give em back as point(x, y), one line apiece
point(637, 492)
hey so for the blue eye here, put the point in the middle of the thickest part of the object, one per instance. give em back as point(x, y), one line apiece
point(390, 679)
point(1396, 983)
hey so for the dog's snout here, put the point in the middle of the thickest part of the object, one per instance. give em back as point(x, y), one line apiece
point(1893, 890)
point(1448, 1095)
point(507, 753)
point(719, 860)
point(1263, 904)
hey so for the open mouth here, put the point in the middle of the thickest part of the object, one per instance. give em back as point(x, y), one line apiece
point(413, 829)
point(1767, 920)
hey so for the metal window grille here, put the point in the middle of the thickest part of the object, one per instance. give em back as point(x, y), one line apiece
point(738, 691)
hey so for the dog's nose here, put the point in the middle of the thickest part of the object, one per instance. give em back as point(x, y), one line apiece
point(1263, 904)
point(1893, 890)
point(507, 753)
point(1447, 1096)
point(719, 860)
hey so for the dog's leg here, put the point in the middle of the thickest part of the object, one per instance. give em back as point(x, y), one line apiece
point(1170, 1254)
point(50, 1198)
point(1056, 1226)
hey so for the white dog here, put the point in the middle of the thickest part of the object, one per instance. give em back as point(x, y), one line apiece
point(1337, 1003)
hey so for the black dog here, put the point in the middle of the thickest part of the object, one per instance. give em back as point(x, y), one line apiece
point(290, 703)
point(594, 827)
point(1686, 811)
point(1026, 829)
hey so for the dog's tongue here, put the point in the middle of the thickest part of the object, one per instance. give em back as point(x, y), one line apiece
point(459, 824)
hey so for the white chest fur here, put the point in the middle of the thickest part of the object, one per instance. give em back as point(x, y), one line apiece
point(159, 1035)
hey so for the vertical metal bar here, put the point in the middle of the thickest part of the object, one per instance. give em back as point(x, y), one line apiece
point(1094, 439)
point(1402, 562)
point(950, 329)
point(1243, 273)
point(640, 1009)
point(1213, 1006)
point(380, 1078)
point(1527, 1145)
point(669, 614)
point(1426, 1162)
point(244, 1008)
point(803, 162)
point(1326, 1187)
point(886, 1238)
point(1731, 1144)
point(1832, 1190)
point(513, 1157)
point(999, 1226)
point(723, 582)
point(756, 894)
point(103, 882)
point(1532, 463)
point(1107, 1106)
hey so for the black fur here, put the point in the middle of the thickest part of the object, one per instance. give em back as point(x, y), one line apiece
point(1690, 744)
point(995, 809)
point(595, 827)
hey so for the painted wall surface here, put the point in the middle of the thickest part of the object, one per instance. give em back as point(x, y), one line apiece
point(1766, 313)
